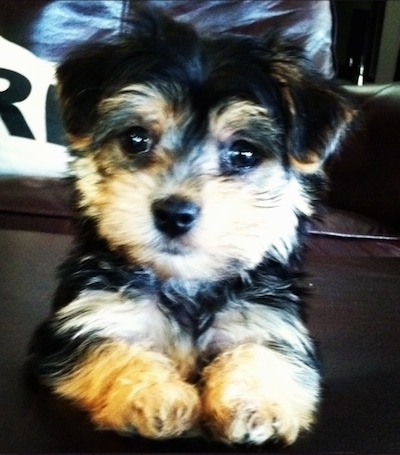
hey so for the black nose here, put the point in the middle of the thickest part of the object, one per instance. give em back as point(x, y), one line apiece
point(175, 215)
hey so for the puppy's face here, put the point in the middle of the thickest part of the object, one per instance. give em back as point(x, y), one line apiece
point(195, 156)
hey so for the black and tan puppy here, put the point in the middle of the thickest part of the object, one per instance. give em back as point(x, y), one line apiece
point(197, 161)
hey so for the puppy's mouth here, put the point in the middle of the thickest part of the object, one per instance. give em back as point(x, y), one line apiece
point(173, 247)
point(173, 250)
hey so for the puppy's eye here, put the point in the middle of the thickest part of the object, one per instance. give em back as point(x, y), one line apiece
point(242, 155)
point(137, 140)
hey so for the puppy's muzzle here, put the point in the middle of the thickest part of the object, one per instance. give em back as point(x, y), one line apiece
point(174, 215)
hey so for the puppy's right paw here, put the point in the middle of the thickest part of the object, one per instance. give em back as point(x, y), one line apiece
point(155, 409)
point(128, 390)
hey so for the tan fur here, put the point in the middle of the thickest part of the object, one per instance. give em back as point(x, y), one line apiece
point(236, 115)
point(79, 143)
point(311, 164)
point(251, 394)
point(251, 218)
point(127, 388)
point(254, 214)
point(146, 104)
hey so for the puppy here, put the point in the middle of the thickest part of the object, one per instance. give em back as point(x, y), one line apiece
point(197, 162)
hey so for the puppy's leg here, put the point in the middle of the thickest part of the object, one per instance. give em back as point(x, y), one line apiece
point(253, 393)
point(122, 360)
point(126, 388)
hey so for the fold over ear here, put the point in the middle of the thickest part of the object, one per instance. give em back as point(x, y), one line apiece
point(96, 70)
point(319, 113)
point(81, 84)
point(322, 116)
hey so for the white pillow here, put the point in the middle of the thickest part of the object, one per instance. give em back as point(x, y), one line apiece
point(31, 137)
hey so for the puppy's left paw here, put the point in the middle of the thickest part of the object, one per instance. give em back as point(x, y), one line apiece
point(252, 395)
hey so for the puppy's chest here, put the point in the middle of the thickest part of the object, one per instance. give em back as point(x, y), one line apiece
point(193, 307)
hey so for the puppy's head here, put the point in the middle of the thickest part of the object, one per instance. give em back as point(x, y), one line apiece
point(195, 156)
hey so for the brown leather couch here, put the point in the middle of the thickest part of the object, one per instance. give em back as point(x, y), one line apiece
point(353, 261)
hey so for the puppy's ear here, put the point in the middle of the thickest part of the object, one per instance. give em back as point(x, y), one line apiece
point(318, 112)
point(96, 70)
point(82, 79)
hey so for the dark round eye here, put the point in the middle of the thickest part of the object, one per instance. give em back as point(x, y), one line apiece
point(242, 155)
point(137, 140)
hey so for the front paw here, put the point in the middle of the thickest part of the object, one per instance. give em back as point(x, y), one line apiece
point(159, 410)
point(253, 394)
point(129, 390)
point(157, 405)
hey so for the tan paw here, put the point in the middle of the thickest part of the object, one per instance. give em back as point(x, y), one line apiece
point(251, 396)
point(158, 410)
point(128, 390)
point(154, 402)
point(249, 421)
